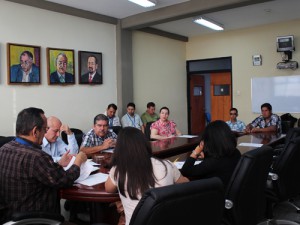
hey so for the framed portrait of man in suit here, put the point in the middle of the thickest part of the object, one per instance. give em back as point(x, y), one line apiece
point(90, 68)
point(23, 64)
point(60, 66)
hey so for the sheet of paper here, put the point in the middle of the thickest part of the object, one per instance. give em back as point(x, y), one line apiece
point(188, 136)
point(180, 164)
point(250, 145)
point(111, 150)
point(85, 169)
point(94, 179)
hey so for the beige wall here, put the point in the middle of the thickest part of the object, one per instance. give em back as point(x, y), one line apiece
point(241, 45)
point(74, 104)
point(159, 75)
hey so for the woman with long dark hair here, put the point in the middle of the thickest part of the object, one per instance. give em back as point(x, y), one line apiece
point(218, 151)
point(134, 170)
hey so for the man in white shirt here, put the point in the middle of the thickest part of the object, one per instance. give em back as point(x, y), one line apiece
point(110, 112)
point(52, 142)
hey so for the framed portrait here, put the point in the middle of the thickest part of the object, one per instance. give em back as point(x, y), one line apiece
point(90, 67)
point(60, 66)
point(23, 64)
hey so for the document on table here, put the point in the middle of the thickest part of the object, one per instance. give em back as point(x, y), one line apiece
point(110, 150)
point(85, 169)
point(94, 179)
point(250, 145)
point(188, 136)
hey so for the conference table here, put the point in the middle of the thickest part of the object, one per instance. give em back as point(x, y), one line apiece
point(176, 148)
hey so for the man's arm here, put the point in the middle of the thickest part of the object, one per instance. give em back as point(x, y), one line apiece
point(266, 129)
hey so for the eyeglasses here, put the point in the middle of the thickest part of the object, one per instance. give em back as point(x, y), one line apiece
point(232, 113)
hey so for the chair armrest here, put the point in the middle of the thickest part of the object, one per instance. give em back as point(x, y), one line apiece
point(37, 216)
point(272, 176)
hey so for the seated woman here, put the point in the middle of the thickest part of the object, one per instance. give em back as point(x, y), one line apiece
point(134, 170)
point(164, 128)
point(218, 151)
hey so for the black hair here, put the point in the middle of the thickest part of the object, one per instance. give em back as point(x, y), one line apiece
point(27, 53)
point(266, 105)
point(96, 60)
point(218, 139)
point(166, 108)
point(132, 159)
point(28, 119)
point(131, 104)
point(100, 117)
point(150, 104)
point(112, 105)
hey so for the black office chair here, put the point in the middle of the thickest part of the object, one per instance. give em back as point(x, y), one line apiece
point(292, 133)
point(148, 131)
point(245, 194)
point(195, 202)
point(4, 139)
point(284, 182)
point(116, 129)
point(78, 136)
point(29, 218)
point(287, 122)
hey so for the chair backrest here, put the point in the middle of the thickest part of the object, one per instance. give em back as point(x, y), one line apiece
point(246, 189)
point(77, 133)
point(30, 218)
point(4, 140)
point(287, 167)
point(293, 133)
point(116, 129)
point(287, 122)
point(148, 131)
point(195, 202)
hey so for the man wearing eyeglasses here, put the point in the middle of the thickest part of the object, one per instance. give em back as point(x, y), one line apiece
point(235, 124)
point(26, 71)
point(61, 75)
point(53, 144)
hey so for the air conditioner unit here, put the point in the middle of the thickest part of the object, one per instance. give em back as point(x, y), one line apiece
point(287, 65)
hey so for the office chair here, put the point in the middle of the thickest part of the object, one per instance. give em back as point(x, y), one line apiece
point(29, 218)
point(287, 122)
point(78, 136)
point(245, 194)
point(4, 140)
point(116, 129)
point(148, 131)
point(292, 133)
point(284, 183)
point(195, 202)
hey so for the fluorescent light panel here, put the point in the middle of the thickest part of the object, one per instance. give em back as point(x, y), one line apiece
point(144, 3)
point(210, 24)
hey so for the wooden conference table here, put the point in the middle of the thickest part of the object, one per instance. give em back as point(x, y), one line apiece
point(174, 148)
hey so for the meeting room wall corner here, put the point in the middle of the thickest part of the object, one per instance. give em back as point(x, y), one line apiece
point(241, 45)
point(159, 75)
point(75, 104)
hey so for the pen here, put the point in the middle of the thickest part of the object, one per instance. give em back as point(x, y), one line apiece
point(176, 160)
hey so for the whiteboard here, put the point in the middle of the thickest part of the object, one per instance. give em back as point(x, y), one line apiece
point(283, 93)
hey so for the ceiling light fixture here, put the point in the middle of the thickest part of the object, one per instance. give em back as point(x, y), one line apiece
point(208, 23)
point(144, 3)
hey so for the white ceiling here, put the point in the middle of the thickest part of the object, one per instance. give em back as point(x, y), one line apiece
point(243, 17)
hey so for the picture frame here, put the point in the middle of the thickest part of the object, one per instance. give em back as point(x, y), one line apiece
point(90, 67)
point(23, 64)
point(60, 66)
point(256, 60)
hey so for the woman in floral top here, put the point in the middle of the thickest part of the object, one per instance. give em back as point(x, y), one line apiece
point(163, 128)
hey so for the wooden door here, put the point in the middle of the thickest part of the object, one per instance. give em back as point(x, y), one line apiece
point(220, 102)
point(197, 104)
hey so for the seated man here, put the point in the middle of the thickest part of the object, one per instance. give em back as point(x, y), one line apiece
point(233, 123)
point(53, 144)
point(111, 115)
point(149, 115)
point(29, 177)
point(99, 138)
point(130, 119)
point(265, 122)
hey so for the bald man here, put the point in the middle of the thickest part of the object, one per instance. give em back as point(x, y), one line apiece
point(53, 144)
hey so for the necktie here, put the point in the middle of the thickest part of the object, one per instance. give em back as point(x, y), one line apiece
point(62, 79)
point(90, 78)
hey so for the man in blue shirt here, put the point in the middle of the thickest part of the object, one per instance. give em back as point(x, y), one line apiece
point(52, 142)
